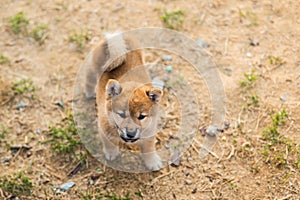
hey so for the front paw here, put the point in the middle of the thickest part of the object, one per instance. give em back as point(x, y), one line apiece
point(152, 161)
point(111, 154)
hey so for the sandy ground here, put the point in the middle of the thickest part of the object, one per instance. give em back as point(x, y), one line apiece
point(244, 164)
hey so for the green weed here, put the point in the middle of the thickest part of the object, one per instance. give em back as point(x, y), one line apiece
point(87, 195)
point(253, 100)
point(16, 185)
point(79, 39)
point(297, 163)
point(3, 59)
point(272, 134)
point(279, 149)
point(139, 193)
point(4, 143)
point(3, 132)
point(276, 60)
point(24, 86)
point(233, 185)
point(250, 79)
point(64, 140)
point(241, 14)
point(173, 20)
point(250, 16)
point(18, 23)
point(39, 32)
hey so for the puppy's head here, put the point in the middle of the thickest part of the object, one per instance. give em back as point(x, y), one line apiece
point(132, 108)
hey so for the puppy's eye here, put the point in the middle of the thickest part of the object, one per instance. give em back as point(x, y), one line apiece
point(142, 116)
point(122, 114)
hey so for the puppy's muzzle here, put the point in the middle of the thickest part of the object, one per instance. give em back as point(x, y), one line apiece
point(130, 135)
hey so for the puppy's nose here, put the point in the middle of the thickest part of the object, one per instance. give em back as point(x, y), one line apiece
point(131, 133)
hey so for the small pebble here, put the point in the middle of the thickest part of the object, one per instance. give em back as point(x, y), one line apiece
point(72, 47)
point(38, 131)
point(169, 68)
point(249, 54)
point(56, 189)
point(91, 182)
point(30, 39)
point(188, 182)
point(157, 83)
point(254, 43)
point(28, 154)
point(67, 186)
point(60, 104)
point(167, 145)
point(212, 131)
point(21, 105)
point(98, 169)
point(95, 176)
point(7, 159)
point(226, 125)
point(166, 57)
point(284, 97)
point(202, 43)
point(224, 138)
point(194, 190)
point(202, 131)
point(171, 136)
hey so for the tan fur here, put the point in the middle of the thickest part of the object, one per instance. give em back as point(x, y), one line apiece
point(124, 95)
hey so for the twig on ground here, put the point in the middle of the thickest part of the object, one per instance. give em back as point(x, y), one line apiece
point(161, 176)
point(51, 170)
point(208, 150)
point(231, 153)
point(7, 101)
point(16, 155)
point(76, 168)
point(197, 151)
point(2, 194)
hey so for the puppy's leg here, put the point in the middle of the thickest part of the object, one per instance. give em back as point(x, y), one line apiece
point(110, 150)
point(151, 159)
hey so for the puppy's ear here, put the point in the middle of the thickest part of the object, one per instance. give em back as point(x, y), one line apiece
point(113, 88)
point(154, 94)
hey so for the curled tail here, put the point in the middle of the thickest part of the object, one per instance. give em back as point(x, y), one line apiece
point(109, 55)
point(117, 49)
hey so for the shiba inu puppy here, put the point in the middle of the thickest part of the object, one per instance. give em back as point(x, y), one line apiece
point(127, 103)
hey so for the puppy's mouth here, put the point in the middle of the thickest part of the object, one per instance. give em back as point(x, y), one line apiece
point(125, 138)
point(128, 139)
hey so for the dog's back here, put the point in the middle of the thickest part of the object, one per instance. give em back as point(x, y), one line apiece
point(113, 58)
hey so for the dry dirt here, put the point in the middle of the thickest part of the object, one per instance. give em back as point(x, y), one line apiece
point(244, 164)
